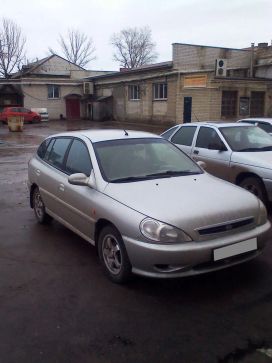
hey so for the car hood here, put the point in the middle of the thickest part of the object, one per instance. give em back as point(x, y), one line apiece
point(262, 159)
point(187, 202)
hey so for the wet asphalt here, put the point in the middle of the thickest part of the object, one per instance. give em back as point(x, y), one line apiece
point(56, 306)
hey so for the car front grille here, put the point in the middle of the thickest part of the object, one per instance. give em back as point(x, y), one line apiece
point(225, 227)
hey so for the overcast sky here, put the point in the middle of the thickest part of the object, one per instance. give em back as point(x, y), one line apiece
point(229, 23)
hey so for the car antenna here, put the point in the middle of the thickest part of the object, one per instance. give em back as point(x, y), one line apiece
point(126, 133)
point(196, 116)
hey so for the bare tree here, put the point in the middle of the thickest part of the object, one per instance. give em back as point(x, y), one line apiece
point(12, 45)
point(134, 47)
point(76, 47)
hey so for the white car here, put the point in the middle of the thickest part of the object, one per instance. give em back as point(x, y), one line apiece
point(264, 123)
point(237, 152)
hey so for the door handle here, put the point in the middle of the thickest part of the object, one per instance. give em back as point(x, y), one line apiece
point(196, 152)
point(61, 187)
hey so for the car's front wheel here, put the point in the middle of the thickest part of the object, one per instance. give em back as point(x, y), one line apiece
point(39, 207)
point(113, 255)
point(255, 186)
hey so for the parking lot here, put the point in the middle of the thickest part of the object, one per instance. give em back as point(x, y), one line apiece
point(57, 306)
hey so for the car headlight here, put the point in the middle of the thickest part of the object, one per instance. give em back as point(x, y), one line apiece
point(162, 232)
point(262, 217)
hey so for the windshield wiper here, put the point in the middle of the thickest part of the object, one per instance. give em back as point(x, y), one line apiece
point(169, 173)
point(163, 174)
point(128, 179)
point(266, 148)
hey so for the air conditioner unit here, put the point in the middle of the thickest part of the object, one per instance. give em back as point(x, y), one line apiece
point(221, 67)
point(88, 88)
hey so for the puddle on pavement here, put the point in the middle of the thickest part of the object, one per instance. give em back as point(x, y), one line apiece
point(13, 168)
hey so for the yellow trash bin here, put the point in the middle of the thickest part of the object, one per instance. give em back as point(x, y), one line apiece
point(15, 123)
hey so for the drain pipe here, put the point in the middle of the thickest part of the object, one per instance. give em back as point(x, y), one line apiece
point(251, 72)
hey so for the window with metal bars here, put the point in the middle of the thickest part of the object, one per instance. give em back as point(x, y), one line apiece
point(133, 92)
point(160, 91)
point(229, 104)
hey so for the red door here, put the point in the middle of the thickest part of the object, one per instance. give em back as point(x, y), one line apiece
point(72, 108)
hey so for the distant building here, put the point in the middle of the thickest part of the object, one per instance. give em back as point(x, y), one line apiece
point(52, 83)
point(200, 83)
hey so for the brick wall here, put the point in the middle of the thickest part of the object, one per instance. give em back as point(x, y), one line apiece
point(36, 97)
point(195, 57)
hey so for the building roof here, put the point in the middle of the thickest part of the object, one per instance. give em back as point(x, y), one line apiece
point(144, 68)
point(212, 46)
point(31, 67)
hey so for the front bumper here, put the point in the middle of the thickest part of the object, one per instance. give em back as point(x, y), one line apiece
point(183, 259)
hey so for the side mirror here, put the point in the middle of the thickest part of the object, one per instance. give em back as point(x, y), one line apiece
point(202, 164)
point(82, 179)
point(78, 179)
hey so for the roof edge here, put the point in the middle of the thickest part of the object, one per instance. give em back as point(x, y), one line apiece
point(211, 46)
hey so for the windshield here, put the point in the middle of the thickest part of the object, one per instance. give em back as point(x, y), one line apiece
point(247, 138)
point(141, 159)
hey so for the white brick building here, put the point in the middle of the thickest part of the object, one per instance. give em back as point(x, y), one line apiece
point(53, 83)
point(200, 83)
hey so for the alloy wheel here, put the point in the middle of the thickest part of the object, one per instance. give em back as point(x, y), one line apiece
point(112, 254)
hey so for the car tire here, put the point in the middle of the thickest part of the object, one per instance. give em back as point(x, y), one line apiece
point(255, 186)
point(35, 119)
point(113, 255)
point(39, 207)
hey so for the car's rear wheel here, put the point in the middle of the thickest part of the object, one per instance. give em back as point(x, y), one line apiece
point(113, 255)
point(255, 186)
point(39, 207)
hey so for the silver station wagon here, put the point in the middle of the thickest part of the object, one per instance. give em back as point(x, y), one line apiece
point(144, 204)
point(237, 152)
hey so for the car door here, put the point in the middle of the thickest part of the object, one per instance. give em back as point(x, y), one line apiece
point(26, 114)
point(50, 173)
point(211, 148)
point(77, 201)
point(184, 137)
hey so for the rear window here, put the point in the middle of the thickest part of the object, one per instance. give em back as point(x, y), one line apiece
point(266, 127)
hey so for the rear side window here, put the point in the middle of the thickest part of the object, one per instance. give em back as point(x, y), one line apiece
point(78, 159)
point(42, 148)
point(168, 133)
point(184, 136)
point(58, 151)
point(49, 148)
